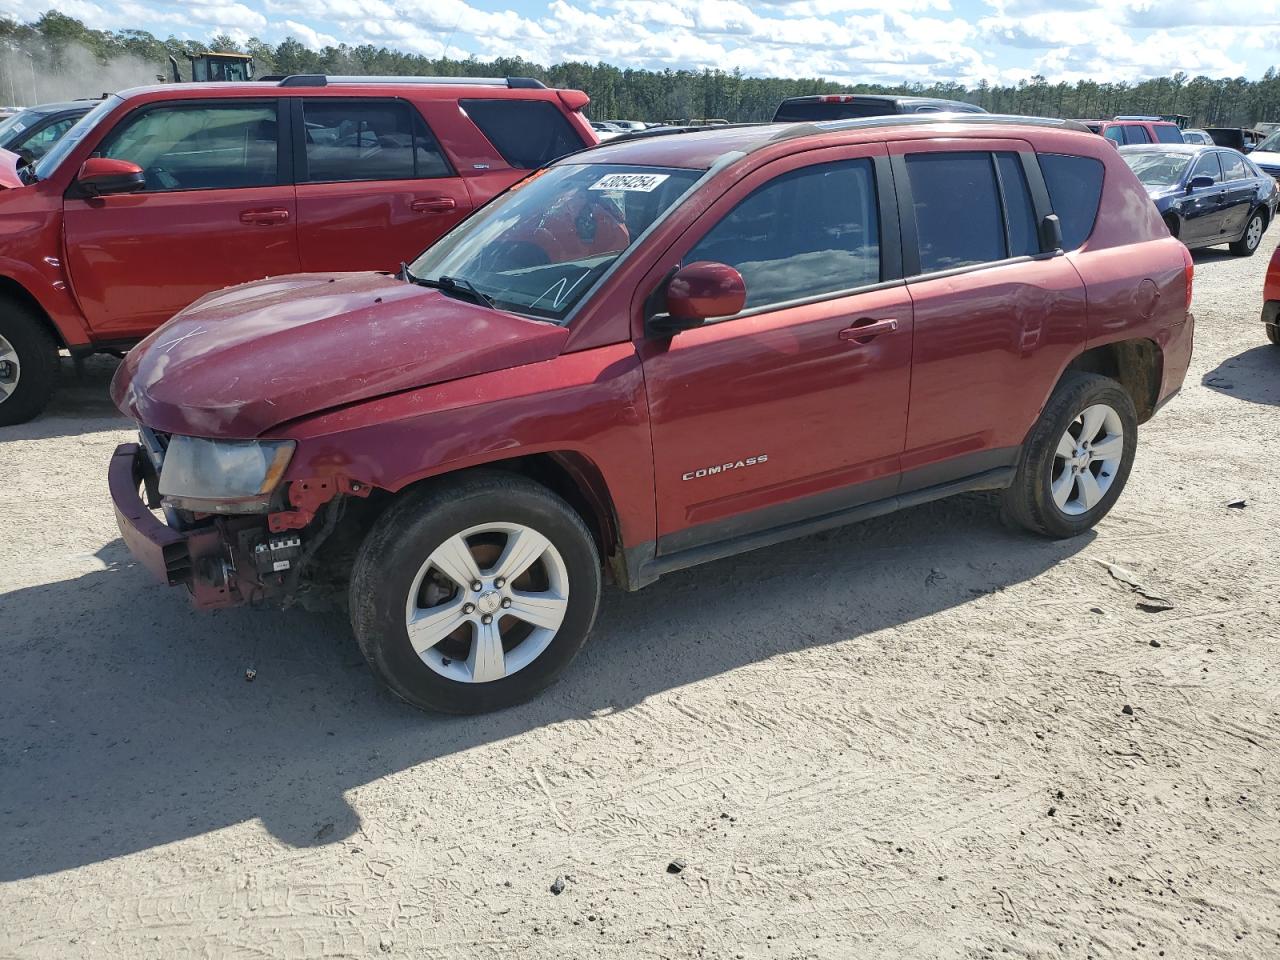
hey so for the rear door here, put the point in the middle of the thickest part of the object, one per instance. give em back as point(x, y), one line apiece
point(783, 412)
point(374, 187)
point(217, 210)
point(995, 318)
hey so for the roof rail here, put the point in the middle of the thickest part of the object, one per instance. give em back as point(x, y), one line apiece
point(322, 80)
point(1151, 119)
point(791, 130)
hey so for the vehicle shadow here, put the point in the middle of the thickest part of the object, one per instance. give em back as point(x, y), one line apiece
point(1253, 375)
point(82, 404)
point(126, 720)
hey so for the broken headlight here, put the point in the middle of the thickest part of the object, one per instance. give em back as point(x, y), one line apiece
point(223, 476)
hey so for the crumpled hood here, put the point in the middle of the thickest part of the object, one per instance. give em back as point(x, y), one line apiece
point(242, 360)
point(9, 162)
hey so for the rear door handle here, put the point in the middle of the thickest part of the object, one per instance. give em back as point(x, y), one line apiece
point(865, 329)
point(433, 205)
point(265, 217)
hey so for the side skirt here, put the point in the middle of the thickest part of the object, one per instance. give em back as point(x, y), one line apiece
point(644, 566)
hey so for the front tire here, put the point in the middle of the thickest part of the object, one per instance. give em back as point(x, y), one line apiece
point(1252, 236)
point(1077, 459)
point(28, 364)
point(1273, 333)
point(474, 595)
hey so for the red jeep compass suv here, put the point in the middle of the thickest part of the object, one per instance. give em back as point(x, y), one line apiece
point(650, 355)
point(162, 194)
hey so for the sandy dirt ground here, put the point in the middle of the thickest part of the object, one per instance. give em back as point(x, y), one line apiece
point(924, 736)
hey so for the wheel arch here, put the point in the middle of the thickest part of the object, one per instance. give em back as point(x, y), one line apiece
point(11, 289)
point(1137, 365)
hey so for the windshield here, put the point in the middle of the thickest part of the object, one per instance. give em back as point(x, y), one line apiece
point(1158, 168)
point(1270, 143)
point(538, 248)
point(53, 159)
point(15, 124)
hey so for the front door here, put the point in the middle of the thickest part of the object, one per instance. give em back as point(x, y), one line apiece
point(217, 210)
point(1201, 209)
point(784, 412)
point(374, 186)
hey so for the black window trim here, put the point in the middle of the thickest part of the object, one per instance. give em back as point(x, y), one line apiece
point(890, 242)
point(298, 136)
point(284, 161)
point(906, 214)
point(479, 97)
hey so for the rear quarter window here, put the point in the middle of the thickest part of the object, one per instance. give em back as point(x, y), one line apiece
point(1075, 188)
point(527, 133)
point(1167, 133)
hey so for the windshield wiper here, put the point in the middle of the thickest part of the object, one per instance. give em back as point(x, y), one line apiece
point(455, 286)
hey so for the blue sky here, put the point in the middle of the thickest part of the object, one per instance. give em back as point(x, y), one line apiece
point(845, 40)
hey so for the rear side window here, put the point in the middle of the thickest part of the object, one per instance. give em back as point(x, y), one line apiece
point(1233, 167)
point(1136, 135)
point(368, 140)
point(1019, 214)
point(200, 147)
point(1167, 133)
point(527, 133)
point(959, 217)
point(806, 233)
point(1075, 187)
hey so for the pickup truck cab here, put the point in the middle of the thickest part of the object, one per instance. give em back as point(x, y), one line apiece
point(161, 194)
point(650, 355)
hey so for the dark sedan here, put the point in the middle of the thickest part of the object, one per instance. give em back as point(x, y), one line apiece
point(1207, 195)
point(32, 132)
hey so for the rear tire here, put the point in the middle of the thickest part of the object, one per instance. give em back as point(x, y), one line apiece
point(28, 364)
point(474, 650)
point(1273, 333)
point(1252, 236)
point(1077, 459)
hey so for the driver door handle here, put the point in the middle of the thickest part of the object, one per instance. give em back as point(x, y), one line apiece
point(433, 205)
point(865, 329)
point(265, 217)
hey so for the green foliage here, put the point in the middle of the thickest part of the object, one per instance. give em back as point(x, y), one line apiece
point(618, 92)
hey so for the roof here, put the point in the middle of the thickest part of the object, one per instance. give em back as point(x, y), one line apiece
point(1188, 148)
point(47, 108)
point(702, 148)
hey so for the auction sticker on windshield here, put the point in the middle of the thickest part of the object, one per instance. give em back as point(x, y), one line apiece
point(636, 182)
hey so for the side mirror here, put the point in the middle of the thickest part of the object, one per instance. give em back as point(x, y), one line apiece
point(100, 176)
point(1201, 182)
point(1050, 233)
point(699, 292)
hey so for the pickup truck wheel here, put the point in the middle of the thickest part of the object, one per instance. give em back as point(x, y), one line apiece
point(1252, 236)
point(28, 364)
point(1273, 333)
point(1077, 459)
point(473, 596)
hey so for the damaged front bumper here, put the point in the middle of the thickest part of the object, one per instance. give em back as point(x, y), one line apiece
point(223, 562)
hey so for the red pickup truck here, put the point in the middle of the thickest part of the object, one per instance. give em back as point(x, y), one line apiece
point(650, 355)
point(162, 194)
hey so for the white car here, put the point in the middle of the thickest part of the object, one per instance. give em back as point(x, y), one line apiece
point(1266, 155)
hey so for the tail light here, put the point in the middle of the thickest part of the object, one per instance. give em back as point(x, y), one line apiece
point(836, 98)
point(1191, 272)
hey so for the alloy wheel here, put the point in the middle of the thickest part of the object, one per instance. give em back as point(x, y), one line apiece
point(1253, 235)
point(1087, 459)
point(10, 369)
point(487, 602)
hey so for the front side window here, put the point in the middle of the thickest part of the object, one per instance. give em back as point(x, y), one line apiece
point(368, 140)
point(527, 133)
point(203, 147)
point(538, 248)
point(1075, 189)
point(1115, 135)
point(959, 218)
point(1233, 167)
point(809, 232)
point(1208, 166)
